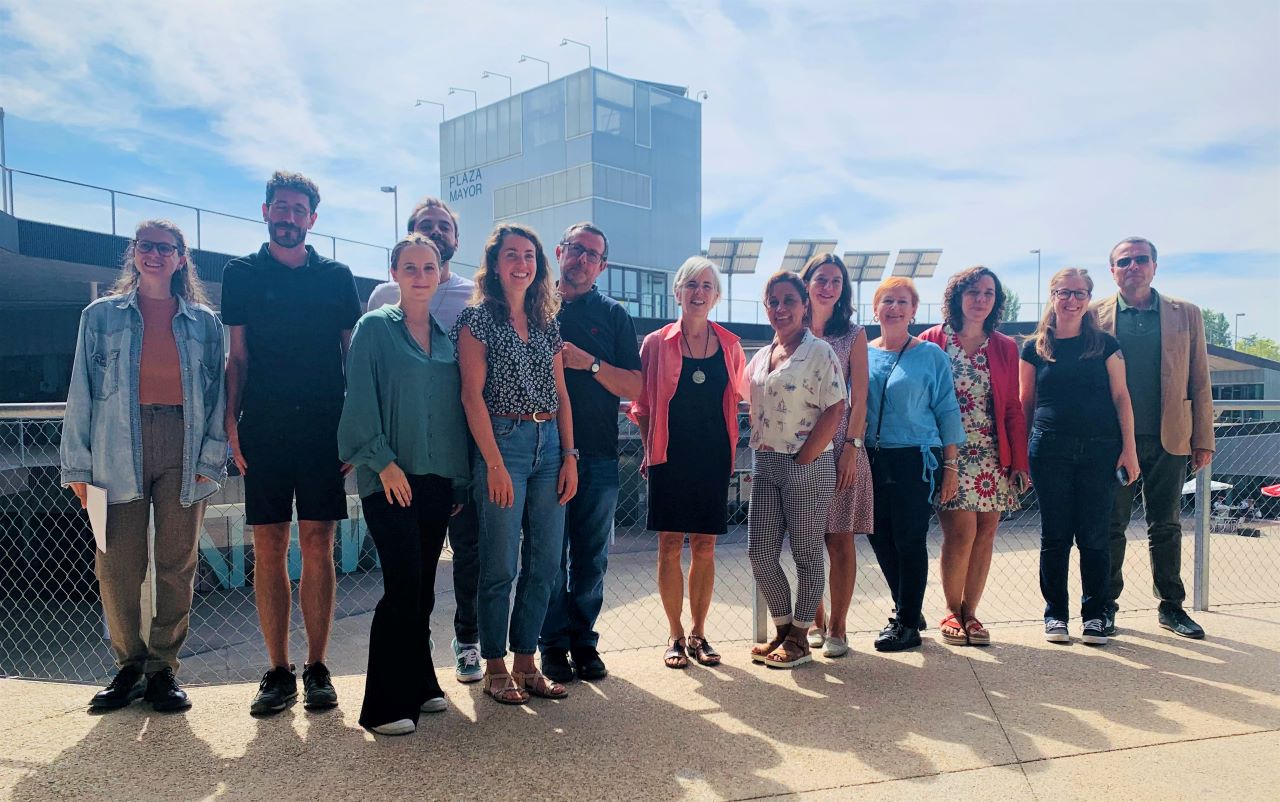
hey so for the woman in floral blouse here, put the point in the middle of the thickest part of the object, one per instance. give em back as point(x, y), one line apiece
point(993, 459)
point(517, 408)
point(797, 401)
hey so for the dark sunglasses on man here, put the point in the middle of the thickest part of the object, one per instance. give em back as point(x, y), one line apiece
point(1140, 260)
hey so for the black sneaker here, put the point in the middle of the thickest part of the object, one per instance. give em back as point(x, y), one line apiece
point(278, 690)
point(889, 632)
point(1179, 623)
point(556, 666)
point(1109, 624)
point(126, 686)
point(318, 688)
point(896, 638)
point(1055, 631)
point(164, 694)
point(1094, 632)
point(587, 662)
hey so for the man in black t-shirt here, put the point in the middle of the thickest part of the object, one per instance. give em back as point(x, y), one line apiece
point(602, 362)
point(289, 312)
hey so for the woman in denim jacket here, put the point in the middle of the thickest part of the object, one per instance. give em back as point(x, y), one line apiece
point(144, 422)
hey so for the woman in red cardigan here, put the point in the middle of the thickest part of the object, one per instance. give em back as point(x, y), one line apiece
point(993, 464)
point(688, 419)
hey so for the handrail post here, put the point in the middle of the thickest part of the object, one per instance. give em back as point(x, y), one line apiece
point(112, 193)
point(1200, 575)
point(198, 247)
point(759, 616)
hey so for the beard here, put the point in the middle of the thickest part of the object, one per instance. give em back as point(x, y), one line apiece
point(446, 250)
point(287, 235)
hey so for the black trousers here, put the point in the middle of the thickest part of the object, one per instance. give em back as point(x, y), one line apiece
point(901, 512)
point(409, 539)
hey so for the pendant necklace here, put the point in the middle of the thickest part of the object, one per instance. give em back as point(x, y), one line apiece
point(698, 376)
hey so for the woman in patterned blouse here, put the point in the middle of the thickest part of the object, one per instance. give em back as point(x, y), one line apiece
point(797, 400)
point(517, 408)
point(993, 466)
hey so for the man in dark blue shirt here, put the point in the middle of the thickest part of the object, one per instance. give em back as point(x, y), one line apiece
point(602, 363)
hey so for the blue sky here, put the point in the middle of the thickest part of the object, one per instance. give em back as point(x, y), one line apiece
point(986, 129)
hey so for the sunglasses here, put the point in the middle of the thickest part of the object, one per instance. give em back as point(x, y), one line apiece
point(162, 248)
point(1128, 260)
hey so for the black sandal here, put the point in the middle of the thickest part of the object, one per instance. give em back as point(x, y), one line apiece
point(702, 651)
point(675, 652)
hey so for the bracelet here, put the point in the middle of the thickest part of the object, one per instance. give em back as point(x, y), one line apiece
point(951, 468)
point(570, 452)
point(955, 461)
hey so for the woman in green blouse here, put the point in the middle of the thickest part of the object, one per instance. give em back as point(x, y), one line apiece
point(404, 430)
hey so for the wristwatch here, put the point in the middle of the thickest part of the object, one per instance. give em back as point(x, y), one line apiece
point(856, 442)
point(570, 452)
point(595, 365)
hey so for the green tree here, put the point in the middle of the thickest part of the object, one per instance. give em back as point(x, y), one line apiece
point(1258, 345)
point(1217, 331)
point(1012, 305)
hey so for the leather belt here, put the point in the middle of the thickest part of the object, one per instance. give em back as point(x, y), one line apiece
point(536, 417)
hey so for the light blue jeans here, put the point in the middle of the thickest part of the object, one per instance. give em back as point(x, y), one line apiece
point(531, 453)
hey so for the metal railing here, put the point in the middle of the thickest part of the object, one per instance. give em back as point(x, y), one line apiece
point(51, 622)
point(201, 214)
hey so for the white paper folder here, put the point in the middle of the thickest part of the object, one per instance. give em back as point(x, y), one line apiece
point(96, 498)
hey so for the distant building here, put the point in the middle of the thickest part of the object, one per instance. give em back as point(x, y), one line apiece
point(625, 154)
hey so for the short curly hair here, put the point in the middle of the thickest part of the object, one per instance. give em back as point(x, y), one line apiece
point(297, 182)
point(953, 298)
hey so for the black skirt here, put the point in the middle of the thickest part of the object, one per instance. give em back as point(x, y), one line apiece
point(690, 491)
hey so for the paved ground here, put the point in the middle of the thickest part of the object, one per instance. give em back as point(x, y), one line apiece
point(1147, 717)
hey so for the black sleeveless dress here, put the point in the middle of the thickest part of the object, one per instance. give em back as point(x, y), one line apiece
point(690, 491)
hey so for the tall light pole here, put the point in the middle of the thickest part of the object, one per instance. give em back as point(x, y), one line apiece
point(543, 62)
point(395, 196)
point(564, 42)
point(488, 73)
point(1238, 316)
point(1039, 300)
point(420, 101)
point(475, 103)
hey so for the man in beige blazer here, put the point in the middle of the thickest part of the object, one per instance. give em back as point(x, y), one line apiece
point(1167, 370)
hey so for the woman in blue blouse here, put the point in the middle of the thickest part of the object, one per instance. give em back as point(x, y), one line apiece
point(403, 430)
point(911, 413)
point(526, 470)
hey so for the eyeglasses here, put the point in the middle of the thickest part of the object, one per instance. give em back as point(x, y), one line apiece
point(1125, 261)
point(585, 254)
point(1063, 295)
point(162, 248)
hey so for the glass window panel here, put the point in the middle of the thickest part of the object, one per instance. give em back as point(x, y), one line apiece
point(522, 196)
point(613, 90)
point(645, 187)
point(459, 146)
point(598, 178)
point(559, 187)
point(608, 120)
point(515, 133)
point(643, 123)
point(469, 139)
point(588, 171)
point(548, 191)
point(492, 149)
point(630, 286)
point(482, 137)
point(629, 191)
point(613, 184)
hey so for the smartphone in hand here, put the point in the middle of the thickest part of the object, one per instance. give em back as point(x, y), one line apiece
point(1122, 476)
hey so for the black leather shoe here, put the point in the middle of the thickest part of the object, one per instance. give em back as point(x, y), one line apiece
point(318, 690)
point(1109, 624)
point(587, 662)
point(126, 686)
point(556, 666)
point(898, 638)
point(279, 688)
point(164, 694)
point(1179, 623)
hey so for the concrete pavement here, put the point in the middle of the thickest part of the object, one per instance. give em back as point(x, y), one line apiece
point(1147, 717)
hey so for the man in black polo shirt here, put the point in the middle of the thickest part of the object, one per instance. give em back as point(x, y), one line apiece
point(289, 312)
point(602, 362)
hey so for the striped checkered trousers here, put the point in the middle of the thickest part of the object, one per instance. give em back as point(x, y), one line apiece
point(787, 498)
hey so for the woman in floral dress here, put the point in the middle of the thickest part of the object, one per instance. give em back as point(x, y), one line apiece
point(993, 464)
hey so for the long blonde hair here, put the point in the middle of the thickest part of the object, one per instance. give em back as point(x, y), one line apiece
point(1046, 333)
point(185, 284)
point(541, 303)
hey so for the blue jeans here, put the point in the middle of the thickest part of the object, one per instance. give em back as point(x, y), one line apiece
point(531, 453)
point(579, 589)
point(1075, 481)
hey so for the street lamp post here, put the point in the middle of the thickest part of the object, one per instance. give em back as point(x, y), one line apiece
point(488, 73)
point(543, 62)
point(395, 197)
point(475, 102)
point(1039, 300)
point(1238, 316)
point(564, 42)
point(420, 101)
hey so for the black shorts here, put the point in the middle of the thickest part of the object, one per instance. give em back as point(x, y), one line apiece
point(288, 462)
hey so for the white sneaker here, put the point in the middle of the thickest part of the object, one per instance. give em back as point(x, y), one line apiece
point(402, 727)
point(835, 647)
point(436, 704)
point(817, 637)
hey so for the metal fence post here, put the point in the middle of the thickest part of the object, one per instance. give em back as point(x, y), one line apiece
point(1200, 576)
point(112, 192)
point(759, 616)
point(198, 230)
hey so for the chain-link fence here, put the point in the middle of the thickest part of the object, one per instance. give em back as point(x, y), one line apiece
point(51, 620)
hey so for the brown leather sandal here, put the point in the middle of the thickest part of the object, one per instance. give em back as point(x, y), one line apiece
point(537, 684)
point(703, 652)
point(762, 650)
point(790, 653)
point(674, 656)
point(507, 693)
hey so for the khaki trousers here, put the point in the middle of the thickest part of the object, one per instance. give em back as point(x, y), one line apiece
point(122, 568)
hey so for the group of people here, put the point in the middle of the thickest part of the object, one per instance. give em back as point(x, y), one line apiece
point(486, 411)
